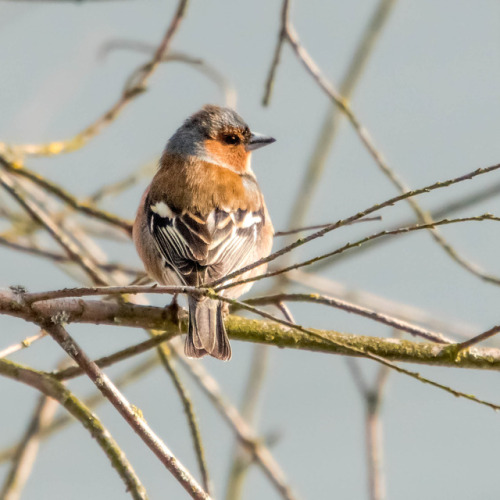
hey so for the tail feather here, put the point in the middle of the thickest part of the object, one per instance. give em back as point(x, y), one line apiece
point(206, 332)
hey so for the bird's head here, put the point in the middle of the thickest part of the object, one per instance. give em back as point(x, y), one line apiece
point(218, 135)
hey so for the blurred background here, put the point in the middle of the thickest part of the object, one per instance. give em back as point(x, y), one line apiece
point(430, 98)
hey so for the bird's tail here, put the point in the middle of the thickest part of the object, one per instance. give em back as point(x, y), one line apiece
point(206, 332)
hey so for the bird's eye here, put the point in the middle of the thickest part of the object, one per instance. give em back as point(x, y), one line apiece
point(231, 139)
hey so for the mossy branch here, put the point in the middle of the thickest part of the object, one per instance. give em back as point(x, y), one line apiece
point(76, 310)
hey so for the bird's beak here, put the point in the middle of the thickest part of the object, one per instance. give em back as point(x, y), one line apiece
point(258, 141)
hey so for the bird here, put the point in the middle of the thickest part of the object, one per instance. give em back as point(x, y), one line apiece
point(203, 216)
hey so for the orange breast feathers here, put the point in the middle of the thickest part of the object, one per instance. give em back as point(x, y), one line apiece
point(198, 186)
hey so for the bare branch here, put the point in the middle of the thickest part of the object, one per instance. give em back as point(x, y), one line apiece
point(131, 416)
point(24, 344)
point(75, 371)
point(225, 86)
point(479, 338)
point(64, 259)
point(331, 123)
point(363, 352)
point(66, 197)
point(348, 246)
point(240, 462)
point(95, 399)
point(365, 138)
point(352, 308)
point(263, 332)
point(31, 298)
point(401, 311)
point(136, 87)
point(321, 226)
point(245, 433)
point(62, 239)
point(444, 210)
point(165, 355)
point(22, 462)
point(285, 12)
point(359, 215)
point(56, 390)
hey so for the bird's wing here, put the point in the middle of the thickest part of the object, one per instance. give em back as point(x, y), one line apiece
point(203, 248)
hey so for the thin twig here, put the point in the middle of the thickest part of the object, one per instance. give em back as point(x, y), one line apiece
point(351, 308)
point(442, 211)
point(365, 299)
point(374, 446)
point(31, 298)
point(21, 345)
point(131, 91)
point(359, 215)
point(91, 401)
point(348, 246)
point(56, 390)
point(365, 138)
point(61, 258)
point(240, 462)
point(479, 338)
point(245, 433)
point(321, 226)
point(75, 371)
point(466, 201)
point(126, 410)
point(331, 123)
point(357, 376)
point(285, 12)
point(165, 355)
point(225, 86)
point(362, 352)
point(372, 399)
point(66, 197)
point(43, 218)
point(117, 187)
point(22, 462)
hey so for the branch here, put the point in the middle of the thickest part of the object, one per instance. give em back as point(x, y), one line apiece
point(56, 390)
point(61, 258)
point(165, 355)
point(351, 308)
point(126, 410)
point(241, 461)
point(263, 332)
point(372, 399)
point(465, 201)
point(66, 197)
point(331, 123)
point(355, 217)
point(320, 226)
point(75, 371)
point(54, 230)
point(225, 86)
point(365, 138)
point(91, 401)
point(356, 244)
point(137, 85)
point(24, 344)
point(368, 300)
point(245, 433)
point(27, 450)
point(285, 12)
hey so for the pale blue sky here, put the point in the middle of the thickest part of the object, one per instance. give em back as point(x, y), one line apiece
point(430, 98)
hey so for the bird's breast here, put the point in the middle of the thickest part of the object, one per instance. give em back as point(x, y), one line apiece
point(199, 186)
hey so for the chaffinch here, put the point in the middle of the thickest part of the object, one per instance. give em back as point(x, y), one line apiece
point(203, 216)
